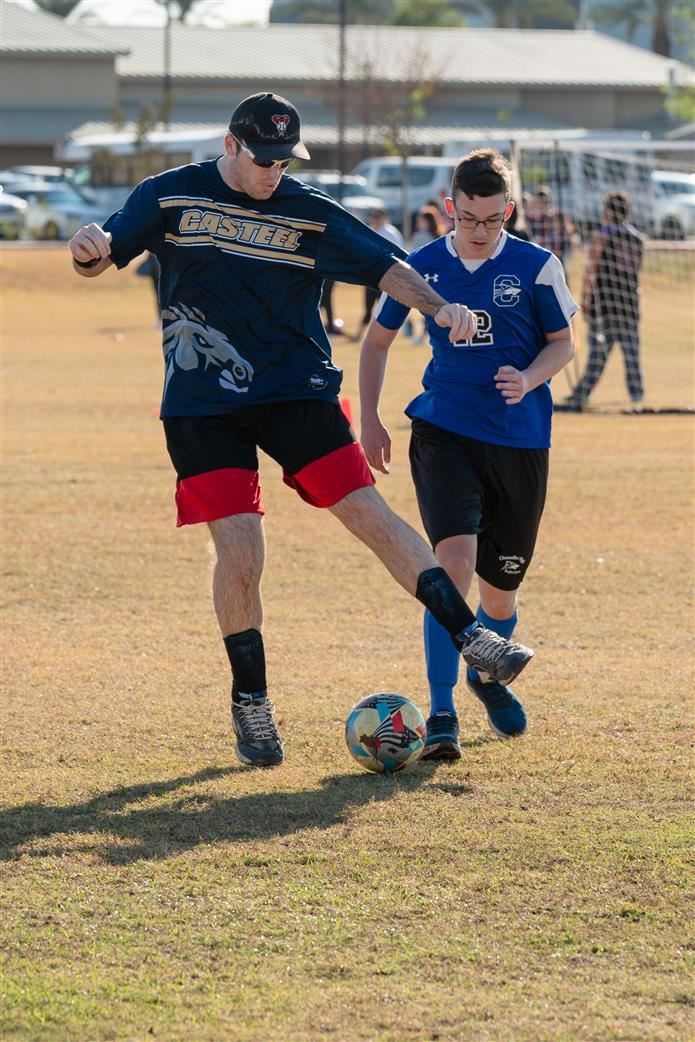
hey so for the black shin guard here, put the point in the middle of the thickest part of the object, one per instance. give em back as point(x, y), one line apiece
point(439, 595)
point(247, 659)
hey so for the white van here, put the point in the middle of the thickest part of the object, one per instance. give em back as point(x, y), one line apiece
point(429, 179)
point(580, 171)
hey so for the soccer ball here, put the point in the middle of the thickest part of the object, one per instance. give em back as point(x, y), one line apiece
point(385, 732)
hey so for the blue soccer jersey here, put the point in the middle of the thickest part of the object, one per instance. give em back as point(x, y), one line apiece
point(519, 295)
point(240, 285)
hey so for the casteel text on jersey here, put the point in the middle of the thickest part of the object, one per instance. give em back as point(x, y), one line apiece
point(238, 229)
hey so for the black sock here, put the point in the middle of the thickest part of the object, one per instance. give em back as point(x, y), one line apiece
point(247, 659)
point(438, 593)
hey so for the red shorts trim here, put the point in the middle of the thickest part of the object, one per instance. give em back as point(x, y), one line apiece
point(329, 479)
point(216, 494)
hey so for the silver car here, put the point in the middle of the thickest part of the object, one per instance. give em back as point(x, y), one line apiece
point(12, 215)
point(54, 211)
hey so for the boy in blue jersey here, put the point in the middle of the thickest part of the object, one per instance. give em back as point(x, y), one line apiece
point(481, 428)
point(243, 251)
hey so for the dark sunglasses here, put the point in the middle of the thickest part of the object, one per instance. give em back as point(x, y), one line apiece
point(266, 164)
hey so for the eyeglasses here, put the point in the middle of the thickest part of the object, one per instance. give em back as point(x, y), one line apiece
point(266, 164)
point(490, 223)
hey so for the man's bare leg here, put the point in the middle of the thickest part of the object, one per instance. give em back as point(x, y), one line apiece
point(413, 565)
point(236, 592)
point(398, 546)
point(236, 582)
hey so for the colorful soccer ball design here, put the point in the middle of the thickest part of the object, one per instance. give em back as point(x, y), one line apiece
point(385, 732)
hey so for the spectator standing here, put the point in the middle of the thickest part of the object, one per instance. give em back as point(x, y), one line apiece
point(549, 227)
point(610, 300)
point(378, 221)
point(516, 226)
point(428, 227)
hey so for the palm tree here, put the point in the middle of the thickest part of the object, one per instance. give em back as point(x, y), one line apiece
point(60, 7)
point(360, 12)
point(181, 8)
point(523, 14)
point(433, 13)
point(657, 14)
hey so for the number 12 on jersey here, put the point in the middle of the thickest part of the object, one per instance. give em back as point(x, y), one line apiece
point(483, 335)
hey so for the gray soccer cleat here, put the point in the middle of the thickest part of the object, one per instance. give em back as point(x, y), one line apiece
point(486, 651)
point(258, 739)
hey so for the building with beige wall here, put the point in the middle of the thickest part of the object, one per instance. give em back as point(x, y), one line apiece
point(53, 77)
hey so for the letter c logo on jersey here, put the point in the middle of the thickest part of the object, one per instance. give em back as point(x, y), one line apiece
point(506, 291)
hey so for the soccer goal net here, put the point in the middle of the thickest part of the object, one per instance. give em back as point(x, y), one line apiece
point(622, 220)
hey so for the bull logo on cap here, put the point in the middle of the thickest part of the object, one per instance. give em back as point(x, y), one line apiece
point(282, 123)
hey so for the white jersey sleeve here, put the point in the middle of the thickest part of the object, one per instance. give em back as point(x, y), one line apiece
point(552, 295)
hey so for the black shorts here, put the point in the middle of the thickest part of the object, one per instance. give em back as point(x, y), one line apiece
point(216, 457)
point(470, 487)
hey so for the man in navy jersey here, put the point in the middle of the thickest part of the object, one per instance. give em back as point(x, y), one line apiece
point(481, 428)
point(243, 251)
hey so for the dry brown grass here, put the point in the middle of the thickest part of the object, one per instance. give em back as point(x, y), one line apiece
point(535, 891)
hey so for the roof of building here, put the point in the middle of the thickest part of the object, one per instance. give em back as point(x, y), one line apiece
point(296, 53)
point(25, 32)
point(292, 53)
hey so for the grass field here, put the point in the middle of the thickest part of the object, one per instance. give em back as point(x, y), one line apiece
point(536, 891)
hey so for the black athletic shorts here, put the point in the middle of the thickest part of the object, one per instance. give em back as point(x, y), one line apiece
point(216, 457)
point(465, 487)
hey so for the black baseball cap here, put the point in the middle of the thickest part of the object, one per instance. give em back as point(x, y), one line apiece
point(269, 126)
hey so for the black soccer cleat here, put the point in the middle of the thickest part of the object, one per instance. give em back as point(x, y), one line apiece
point(486, 651)
point(442, 741)
point(258, 739)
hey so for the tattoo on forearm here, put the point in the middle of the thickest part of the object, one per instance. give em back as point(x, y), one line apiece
point(405, 285)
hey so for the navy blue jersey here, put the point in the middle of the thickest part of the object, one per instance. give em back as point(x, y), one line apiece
point(519, 295)
point(240, 285)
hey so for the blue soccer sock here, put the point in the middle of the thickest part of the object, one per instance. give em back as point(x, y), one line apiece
point(442, 659)
point(502, 627)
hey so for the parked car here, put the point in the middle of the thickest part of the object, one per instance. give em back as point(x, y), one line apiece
point(12, 215)
point(55, 211)
point(356, 195)
point(429, 178)
point(674, 204)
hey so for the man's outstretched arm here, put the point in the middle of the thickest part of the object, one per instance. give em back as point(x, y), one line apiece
point(406, 286)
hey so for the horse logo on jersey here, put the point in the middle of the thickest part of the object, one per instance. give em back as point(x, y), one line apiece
point(281, 123)
point(506, 291)
point(188, 338)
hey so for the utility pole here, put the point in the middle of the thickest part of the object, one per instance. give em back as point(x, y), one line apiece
point(584, 20)
point(166, 82)
point(342, 30)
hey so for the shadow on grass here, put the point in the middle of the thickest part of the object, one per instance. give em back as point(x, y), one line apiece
point(120, 831)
